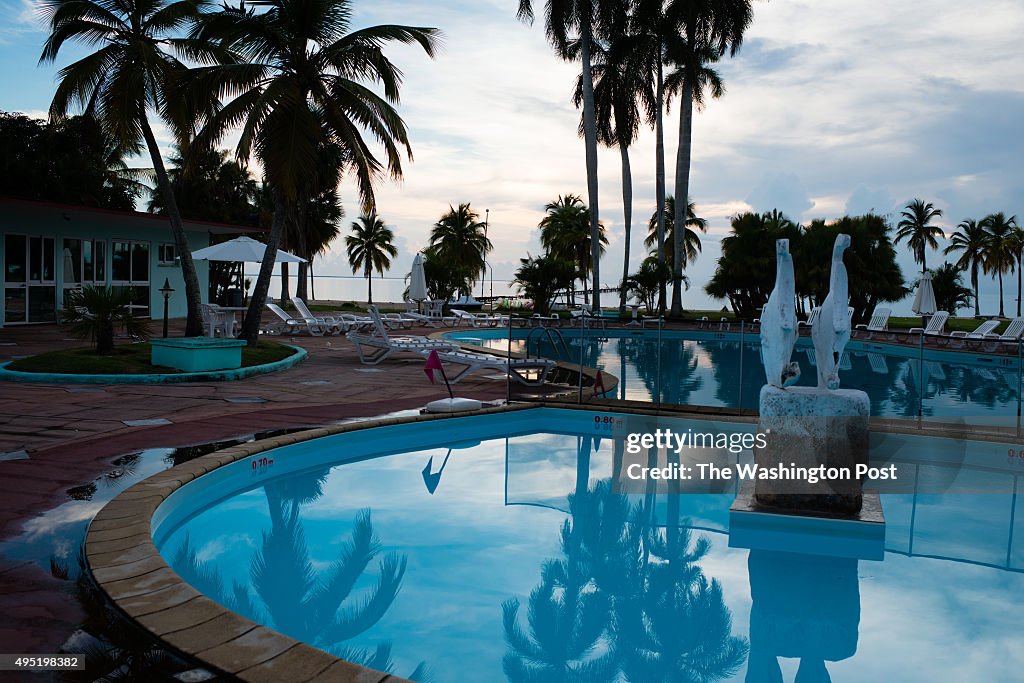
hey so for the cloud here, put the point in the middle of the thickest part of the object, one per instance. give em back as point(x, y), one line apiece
point(782, 191)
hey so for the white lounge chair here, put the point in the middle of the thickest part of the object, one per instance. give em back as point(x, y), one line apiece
point(1010, 335)
point(432, 320)
point(981, 332)
point(532, 372)
point(812, 318)
point(935, 325)
point(478, 320)
point(217, 322)
point(374, 348)
point(293, 325)
point(879, 321)
point(336, 321)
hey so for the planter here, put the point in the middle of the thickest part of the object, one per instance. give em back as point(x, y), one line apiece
point(197, 354)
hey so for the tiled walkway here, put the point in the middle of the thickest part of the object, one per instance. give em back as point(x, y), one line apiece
point(71, 433)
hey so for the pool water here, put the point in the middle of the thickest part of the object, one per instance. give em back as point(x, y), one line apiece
point(507, 556)
point(706, 371)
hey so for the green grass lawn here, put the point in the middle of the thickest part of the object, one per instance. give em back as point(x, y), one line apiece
point(130, 359)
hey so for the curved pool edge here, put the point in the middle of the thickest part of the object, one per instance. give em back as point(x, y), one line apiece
point(295, 358)
point(127, 567)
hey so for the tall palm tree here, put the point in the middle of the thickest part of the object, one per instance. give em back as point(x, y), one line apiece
point(1017, 244)
point(691, 240)
point(621, 86)
point(370, 247)
point(1001, 250)
point(128, 76)
point(915, 227)
point(460, 237)
point(580, 22)
point(650, 23)
point(565, 234)
point(297, 87)
point(971, 240)
point(705, 31)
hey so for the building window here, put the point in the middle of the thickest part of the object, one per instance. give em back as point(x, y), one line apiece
point(129, 269)
point(166, 255)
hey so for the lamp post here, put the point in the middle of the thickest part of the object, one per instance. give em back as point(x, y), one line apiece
point(166, 290)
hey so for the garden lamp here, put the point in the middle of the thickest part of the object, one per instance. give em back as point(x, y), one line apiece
point(166, 290)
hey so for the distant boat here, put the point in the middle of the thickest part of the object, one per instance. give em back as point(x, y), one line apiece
point(465, 302)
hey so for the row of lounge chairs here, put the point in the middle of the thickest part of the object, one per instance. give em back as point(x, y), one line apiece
point(983, 333)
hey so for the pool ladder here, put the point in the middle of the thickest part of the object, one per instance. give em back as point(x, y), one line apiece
point(552, 335)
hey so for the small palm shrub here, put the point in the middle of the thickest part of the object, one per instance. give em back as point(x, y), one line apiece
point(94, 312)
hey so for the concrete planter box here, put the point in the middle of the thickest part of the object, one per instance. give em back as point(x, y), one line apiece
point(197, 354)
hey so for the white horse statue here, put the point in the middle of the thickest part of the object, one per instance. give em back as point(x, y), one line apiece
point(831, 331)
point(778, 323)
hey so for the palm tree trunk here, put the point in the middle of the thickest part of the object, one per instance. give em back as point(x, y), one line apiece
point(682, 194)
point(659, 173)
point(1001, 314)
point(590, 141)
point(974, 282)
point(193, 294)
point(285, 283)
point(1020, 255)
point(369, 286)
point(251, 324)
point(627, 214)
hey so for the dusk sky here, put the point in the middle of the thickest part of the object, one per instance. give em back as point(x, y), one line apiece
point(831, 107)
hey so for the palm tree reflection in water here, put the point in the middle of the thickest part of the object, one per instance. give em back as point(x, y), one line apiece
point(626, 600)
point(322, 608)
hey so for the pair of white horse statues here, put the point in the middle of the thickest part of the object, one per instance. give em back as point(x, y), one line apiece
point(830, 332)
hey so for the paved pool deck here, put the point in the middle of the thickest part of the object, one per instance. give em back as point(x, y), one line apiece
point(72, 433)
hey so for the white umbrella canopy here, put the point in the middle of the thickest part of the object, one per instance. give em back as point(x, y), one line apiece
point(243, 249)
point(417, 280)
point(924, 300)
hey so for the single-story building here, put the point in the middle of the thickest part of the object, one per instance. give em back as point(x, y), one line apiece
point(48, 249)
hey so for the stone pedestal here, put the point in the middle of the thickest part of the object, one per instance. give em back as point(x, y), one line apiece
point(806, 427)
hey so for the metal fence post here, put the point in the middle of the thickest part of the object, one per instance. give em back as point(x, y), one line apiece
point(743, 348)
point(924, 381)
point(657, 383)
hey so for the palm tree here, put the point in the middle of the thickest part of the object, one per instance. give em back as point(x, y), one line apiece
point(691, 240)
point(296, 85)
point(1017, 242)
point(705, 31)
point(1001, 249)
point(370, 248)
point(971, 239)
point(460, 237)
point(128, 76)
point(94, 312)
point(586, 19)
point(620, 87)
point(565, 234)
point(915, 227)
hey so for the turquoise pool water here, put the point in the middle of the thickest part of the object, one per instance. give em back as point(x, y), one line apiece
point(705, 368)
point(504, 555)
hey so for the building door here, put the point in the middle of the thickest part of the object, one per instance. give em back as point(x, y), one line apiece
point(30, 289)
point(129, 269)
point(85, 263)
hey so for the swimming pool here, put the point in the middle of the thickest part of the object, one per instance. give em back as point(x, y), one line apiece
point(714, 369)
point(506, 555)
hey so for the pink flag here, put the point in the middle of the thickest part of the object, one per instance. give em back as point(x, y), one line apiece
point(599, 382)
point(433, 363)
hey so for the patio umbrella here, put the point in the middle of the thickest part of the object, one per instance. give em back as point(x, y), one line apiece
point(924, 300)
point(242, 249)
point(417, 280)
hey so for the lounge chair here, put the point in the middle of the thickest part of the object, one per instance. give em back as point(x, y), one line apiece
point(532, 372)
point(981, 332)
point(292, 325)
point(812, 318)
point(478, 320)
point(432, 320)
point(374, 348)
point(879, 321)
point(337, 321)
point(396, 320)
point(1010, 335)
point(935, 325)
point(217, 322)
point(878, 364)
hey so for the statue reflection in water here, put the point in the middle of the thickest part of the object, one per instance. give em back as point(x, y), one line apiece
point(805, 607)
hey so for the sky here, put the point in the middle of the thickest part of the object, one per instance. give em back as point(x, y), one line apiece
point(830, 108)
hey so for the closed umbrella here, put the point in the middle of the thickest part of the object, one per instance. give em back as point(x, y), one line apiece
point(924, 300)
point(242, 249)
point(417, 280)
